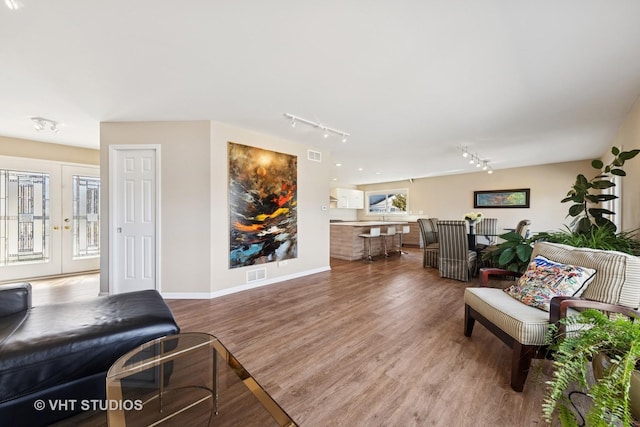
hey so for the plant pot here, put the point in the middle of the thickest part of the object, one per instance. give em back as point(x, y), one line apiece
point(601, 363)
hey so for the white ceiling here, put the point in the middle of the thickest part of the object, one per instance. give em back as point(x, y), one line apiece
point(518, 82)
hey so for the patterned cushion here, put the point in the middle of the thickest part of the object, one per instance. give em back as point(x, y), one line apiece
point(545, 279)
point(618, 278)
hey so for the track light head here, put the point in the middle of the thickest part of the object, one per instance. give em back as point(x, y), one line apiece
point(40, 123)
point(326, 131)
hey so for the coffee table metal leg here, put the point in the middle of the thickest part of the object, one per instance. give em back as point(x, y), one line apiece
point(215, 380)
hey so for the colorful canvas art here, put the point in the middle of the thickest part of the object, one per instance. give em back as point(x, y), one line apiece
point(263, 202)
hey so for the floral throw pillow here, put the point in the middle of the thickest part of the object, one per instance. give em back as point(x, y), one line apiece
point(545, 279)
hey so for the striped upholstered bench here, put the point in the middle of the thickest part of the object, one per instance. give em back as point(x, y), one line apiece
point(615, 284)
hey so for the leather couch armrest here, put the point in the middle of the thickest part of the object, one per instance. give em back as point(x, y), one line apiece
point(14, 298)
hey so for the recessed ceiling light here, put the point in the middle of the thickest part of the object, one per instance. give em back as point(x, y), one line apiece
point(338, 164)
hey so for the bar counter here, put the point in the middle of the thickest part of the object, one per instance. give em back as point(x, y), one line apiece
point(346, 244)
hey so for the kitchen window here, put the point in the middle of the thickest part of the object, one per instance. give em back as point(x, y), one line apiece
point(387, 202)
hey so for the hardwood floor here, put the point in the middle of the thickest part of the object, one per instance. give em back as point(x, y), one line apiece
point(377, 344)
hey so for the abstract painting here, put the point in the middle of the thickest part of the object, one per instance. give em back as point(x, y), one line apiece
point(518, 198)
point(263, 206)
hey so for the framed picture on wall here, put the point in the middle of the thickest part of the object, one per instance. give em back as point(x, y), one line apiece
point(518, 198)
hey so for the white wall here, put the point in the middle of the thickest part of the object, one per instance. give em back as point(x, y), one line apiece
point(313, 221)
point(450, 197)
point(195, 207)
point(628, 138)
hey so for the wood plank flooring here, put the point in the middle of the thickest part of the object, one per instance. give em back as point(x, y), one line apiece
point(365, 344)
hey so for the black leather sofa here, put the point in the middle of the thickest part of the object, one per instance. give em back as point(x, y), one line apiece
point(57, 356)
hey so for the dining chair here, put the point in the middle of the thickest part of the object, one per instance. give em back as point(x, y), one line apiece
point(455, 260)
point(487, 230)
point(523, 228)
point(430, 245)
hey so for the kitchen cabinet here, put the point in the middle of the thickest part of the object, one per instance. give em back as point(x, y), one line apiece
point(348, 198)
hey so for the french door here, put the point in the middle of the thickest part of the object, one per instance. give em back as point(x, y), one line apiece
point(49, 218)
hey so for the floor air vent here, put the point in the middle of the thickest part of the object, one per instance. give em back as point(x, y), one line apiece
point(256, 275)
point(315, 156)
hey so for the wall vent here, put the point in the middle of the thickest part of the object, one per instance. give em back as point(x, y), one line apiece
point(256, 275)
point(314, 156)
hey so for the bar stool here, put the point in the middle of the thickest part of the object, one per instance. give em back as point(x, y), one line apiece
point(373, 233)
point(406, 229)
point(391, 231)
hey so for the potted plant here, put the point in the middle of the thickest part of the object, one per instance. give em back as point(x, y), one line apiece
point(587, 196)
point(513, 254)
point(594, 336)
point(591, 226)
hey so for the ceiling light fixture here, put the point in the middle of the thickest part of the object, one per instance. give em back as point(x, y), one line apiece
point(40, 123)
point(326, 131)
point(474, 159)
point(13, 4)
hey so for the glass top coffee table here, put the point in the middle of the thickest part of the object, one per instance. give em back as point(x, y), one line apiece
point(187, 379)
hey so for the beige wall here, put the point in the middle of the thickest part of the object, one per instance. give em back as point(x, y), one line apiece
point(450, 197)
point(628, 138)
point(195, 208)
point(184, 199)
point(45, 151)
point(313, 221)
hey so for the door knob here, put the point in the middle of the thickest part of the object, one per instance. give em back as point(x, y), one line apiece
point(56, 228)
point(67, 227)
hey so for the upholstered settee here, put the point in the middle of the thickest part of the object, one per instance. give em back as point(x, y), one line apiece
point(615, 285)
point(54, 357)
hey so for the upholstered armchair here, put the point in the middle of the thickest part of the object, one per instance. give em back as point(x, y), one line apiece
point(521, 318)
point(430, 244)
point(455, 260)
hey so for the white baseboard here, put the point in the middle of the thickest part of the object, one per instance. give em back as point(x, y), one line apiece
point(233, 290)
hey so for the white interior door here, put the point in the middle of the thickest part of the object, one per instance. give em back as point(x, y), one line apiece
point(80, 219)
point(133, 244)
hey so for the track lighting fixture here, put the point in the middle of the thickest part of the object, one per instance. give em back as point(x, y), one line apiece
point(13, 4)
point(326, 131)
point(40, 123)
point(475, 160)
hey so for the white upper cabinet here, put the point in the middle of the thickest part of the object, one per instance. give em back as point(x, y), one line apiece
point(348, 198)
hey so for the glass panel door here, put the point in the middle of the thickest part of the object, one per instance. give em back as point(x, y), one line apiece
point(81, 219)
point(29, 211)
point(24, 217)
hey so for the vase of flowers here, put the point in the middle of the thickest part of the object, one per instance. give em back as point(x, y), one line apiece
point(473, 217)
